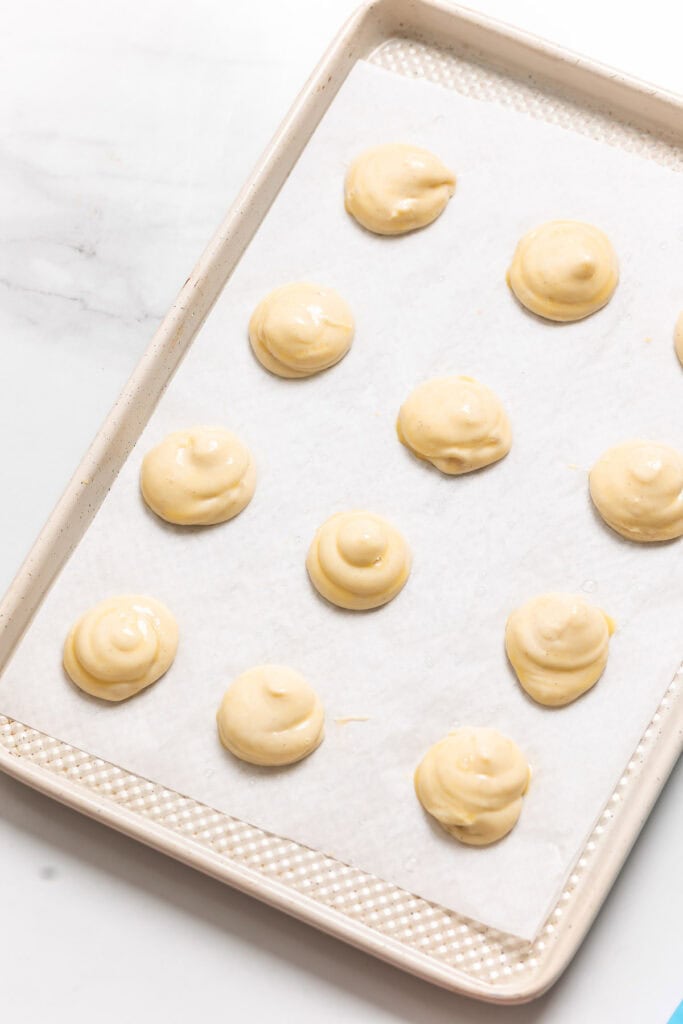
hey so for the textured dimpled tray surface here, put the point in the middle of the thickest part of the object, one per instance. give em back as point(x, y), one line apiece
point(491, 959)
point(415, 59)
point(373, 914)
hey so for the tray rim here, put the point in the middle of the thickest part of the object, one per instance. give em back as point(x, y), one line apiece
point(516, 52)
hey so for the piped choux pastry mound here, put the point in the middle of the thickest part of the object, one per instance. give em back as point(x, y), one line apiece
point(678, 337)
point(270, 716)
point(455, 423)
point(558, 646)
point(198, 477)
point(564, 270)
point(300, 329)
point(121, 646)
point(358, 560)
point(395, 188)
point(472, 782)
point(637, 487)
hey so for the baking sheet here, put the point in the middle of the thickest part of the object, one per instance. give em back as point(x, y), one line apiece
point(430, 303)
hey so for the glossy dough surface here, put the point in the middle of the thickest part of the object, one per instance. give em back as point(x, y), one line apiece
point(678, 337)
point(198, 477)
point(473, 782)
point(121, 646)
point(358, 560)
point(396, 188)
point(637, 487)
point(301, 328)
point(564, 270)
point(558, 646)
point(270, 716)
point(456, 423)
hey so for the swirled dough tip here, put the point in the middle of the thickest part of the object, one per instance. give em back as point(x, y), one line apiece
point(455, 423)
point(678, 337)
point(270, 716)
point(198, 477)
point(472, 782)
point(637, 487)
point(395, 188)
point(300, 329)
point(564, 270)
point(558, 646)
point(357, 560)
point(120, 646)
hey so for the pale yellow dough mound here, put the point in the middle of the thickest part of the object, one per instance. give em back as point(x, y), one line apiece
point(456, 423)
point(678, 337)
point(198, 477)
point(558, 646)
point(270, 716)
point(299, 329)
point(358, 560)
point(564, 270)
point(396, 188)
point(121, 646)
point(637, 487)
point(473, 782)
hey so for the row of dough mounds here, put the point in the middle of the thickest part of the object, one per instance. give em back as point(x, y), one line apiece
point(207, 475)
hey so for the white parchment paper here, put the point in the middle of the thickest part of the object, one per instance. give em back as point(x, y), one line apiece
point(430, 303)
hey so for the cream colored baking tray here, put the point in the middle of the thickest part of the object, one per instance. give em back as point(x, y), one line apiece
point(459, 50)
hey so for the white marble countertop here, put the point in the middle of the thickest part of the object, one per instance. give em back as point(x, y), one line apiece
point(127, 129)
